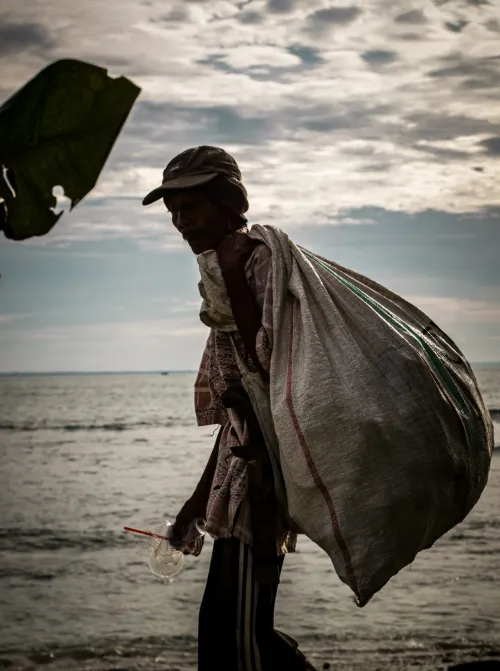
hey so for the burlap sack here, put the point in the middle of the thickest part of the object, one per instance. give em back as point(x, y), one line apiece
point(383, 439)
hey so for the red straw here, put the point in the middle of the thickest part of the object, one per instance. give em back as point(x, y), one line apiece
point(146, 533)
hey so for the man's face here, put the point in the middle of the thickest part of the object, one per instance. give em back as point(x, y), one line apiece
point(201, 223)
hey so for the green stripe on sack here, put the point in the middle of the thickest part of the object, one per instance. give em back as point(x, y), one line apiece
point(464, 408)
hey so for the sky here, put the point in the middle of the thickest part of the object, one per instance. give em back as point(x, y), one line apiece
point(369, 132)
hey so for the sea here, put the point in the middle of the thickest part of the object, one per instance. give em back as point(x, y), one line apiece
point(84, 455)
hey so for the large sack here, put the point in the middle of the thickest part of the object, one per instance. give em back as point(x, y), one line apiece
point(383, 438)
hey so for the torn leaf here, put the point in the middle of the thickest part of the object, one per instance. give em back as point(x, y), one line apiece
point(58, 130)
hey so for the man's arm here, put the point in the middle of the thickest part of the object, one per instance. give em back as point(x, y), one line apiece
point(202, 491)
point(196, 505)
point(258, 271)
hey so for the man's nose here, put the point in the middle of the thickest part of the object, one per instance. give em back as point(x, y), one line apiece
point(177, 220)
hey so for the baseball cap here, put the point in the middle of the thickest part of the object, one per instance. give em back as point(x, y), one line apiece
point(198, 166)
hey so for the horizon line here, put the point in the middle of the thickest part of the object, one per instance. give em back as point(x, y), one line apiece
point(150, 372)
point(96, 372)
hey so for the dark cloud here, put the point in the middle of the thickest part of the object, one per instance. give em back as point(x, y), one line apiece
point(250, 18)
point(281, 6)
point(493, 25)
point(331, 118)
point(441, 127)
point(460, 69)
point(484, 84)
point(477, 3)
point(365, 151)
point(415, 17)
point(457, 26)
point(217, 62)
point(410, 37)
point(445, 155)
point(167, 126)
point(323, 18)
point(220, 124)
point(380, 166)
point(179, 13)
point(308, 55)
point(207, 125)
point(379, 57)
point(20, 37)
point(471, 73)
point(267, 72)
point(491, 145)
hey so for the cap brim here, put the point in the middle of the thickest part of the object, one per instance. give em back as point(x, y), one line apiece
point(183, 182)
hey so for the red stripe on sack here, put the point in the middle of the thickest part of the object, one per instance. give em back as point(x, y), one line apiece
point(314, 472)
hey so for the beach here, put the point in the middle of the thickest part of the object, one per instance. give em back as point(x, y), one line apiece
point(85, 455)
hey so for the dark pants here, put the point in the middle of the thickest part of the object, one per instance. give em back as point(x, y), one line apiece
point(236, 623)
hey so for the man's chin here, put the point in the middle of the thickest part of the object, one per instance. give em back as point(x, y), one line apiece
point(200, 247)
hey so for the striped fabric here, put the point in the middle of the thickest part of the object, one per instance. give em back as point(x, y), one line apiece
point(236, 625)
point(247, 647)
point(228, 510)
point(218, 364)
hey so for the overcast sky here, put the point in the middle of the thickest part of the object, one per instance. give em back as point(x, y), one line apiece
point(369, 132)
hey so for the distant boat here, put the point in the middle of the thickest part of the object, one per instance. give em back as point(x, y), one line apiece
point(165, 373)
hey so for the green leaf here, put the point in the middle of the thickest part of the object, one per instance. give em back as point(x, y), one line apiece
point(58, 130)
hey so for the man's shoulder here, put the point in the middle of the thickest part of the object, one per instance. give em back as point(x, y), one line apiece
point(260, 256)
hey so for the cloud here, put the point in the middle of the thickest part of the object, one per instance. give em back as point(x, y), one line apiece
point(469, 72)
point(379, 57)
point(307, 54)
point(323, 19)
point(491, 145)
point(456, 26)
point(493, 25)
point(441, 152)
point(432, 126)
point(255, 56)
point(281, 6)
point(274, 89)
point(414, 17)
point(178, 13)
point(19, 37)
point(250, 18)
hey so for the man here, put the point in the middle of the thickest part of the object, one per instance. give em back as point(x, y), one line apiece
point(203, 191)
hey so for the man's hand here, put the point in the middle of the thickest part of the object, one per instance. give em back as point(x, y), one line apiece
point(194, 508)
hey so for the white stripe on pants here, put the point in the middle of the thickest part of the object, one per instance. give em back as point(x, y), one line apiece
point(248, 593)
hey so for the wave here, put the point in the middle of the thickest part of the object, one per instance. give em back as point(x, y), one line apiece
point(118, 426)
point(177, 652)
point(171, 649)
point(123, 426)
point(111, 426)
point(27, 540)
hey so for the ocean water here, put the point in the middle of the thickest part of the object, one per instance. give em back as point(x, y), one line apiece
point(82, 456)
